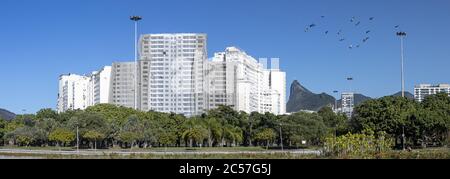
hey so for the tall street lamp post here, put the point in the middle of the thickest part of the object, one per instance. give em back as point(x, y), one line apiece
point(136, 19)
point(402, 35)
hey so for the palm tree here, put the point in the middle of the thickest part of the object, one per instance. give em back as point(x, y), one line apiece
point(196, 134)
point(194, 131)
point(231, 134)
point(213, 127)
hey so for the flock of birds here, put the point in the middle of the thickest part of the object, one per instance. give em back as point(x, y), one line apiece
point(356, 24)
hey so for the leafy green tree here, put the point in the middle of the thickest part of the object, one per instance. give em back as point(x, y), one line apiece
point(132, 131)
point(62, 136)
point(266, 135)
point(23, 136)
point(93, 136)
point(90, 121)
point(225, 115)
point(150, 132)
point(129, 137)
point(304, 126)
point(44, 127)
point(433, 120)
point(213, 127)
point(46, 114)
point(3, 124)
point(336, 122)
point(388, 114)
point(195, 134)
point(166, 138)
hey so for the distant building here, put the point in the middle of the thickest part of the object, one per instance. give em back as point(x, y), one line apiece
point(80, 92)
point(73, 92)
point(348, 103)
point(99, 86)
point(278, 86)
point(423, 90)
point(174, 75)
point(239, 80)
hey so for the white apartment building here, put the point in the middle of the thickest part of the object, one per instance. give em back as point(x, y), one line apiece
point(278, 85)
point(172, 73)
point(348, 103)
point(73, 92)
point(237, 79)
point(174, 76)
point(100, 82)
point(80, 92)
point(122, 84)
point(423, 90)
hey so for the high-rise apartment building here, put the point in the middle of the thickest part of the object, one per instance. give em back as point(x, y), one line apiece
point(423, 90)
point(348, 103)
point(122, 87)
point(73, 92)
point(174, 76)
point(80, 92)
point(237, 79)
point(278, 85)
point(172, 73)
point(100, 82)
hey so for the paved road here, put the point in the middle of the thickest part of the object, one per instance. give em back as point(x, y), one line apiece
point(108, 152)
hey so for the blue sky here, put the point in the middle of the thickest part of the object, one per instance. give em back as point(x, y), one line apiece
point(39, 40)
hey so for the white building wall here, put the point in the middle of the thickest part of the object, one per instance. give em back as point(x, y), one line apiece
point(278, 84)
point(348, 103)
point(247, 81)
point(102, 86)
point(423, 90)
point(73, 92)
point(122, 86)
point(173, 73)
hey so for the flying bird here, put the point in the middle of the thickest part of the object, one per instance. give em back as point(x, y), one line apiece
point(312, 25)
point(359, 22)
point(367, 31)
point(357, 46)
point(371, 18)
point(397, 26)
point(350, 47)
point(323, 16)
point(353, 19)
point(340, 40)
point(365, 39)
point(326, 32)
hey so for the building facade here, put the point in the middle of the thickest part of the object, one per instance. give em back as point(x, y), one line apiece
point(173, 75)
point(73, 92)
point(348, 103)
point(278, 86)
point(80, 92)
point(239, 80)
point(423, 90)
point(100, 82)
point(122, 84)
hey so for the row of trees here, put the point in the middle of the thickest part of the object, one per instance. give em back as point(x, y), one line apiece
point(106, 126)
point(405, 121)
point(409, 123)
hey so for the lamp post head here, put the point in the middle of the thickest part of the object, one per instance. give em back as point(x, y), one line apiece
point(401, 34)
point(136, 18)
